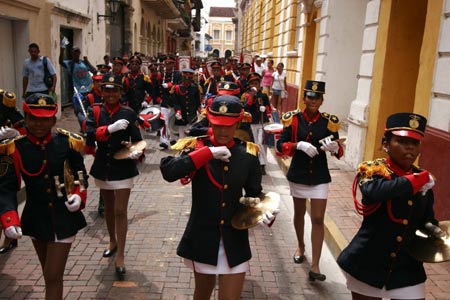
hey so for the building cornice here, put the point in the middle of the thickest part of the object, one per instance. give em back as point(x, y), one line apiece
point(69, 13)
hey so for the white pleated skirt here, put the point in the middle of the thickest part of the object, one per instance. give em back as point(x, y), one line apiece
point(222, 265)
point(410, 292)
point(319, 191)
point(114, 185)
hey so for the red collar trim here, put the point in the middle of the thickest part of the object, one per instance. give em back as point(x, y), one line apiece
point(38, 141)
point(113, 110)
point(229, 144)
point(311, 120)
point(397, 170)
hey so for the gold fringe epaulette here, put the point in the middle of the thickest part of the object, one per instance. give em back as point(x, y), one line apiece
point(243, 98)
point(76, 141)
point(9, 99)
point(333, 122)
point(286, 119)
point(247, 117)
point(7, 147)
point(147, 78)
point(252, 148)
point(377, 167)
point(185, 143)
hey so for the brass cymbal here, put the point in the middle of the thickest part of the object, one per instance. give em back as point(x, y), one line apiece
point(431, 249)
point(125, 151)
point(247, 216)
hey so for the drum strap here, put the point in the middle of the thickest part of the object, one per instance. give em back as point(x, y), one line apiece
point(294, 127)
point(96, 109)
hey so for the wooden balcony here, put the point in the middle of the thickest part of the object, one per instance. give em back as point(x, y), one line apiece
point(165, 8)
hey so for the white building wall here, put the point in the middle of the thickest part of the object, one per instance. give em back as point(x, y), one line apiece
point(359, 109)
point(439, 116)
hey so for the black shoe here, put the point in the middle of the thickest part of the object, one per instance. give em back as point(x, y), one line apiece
point(101, 206)
point(110, 252)
point(164, 145)
point(298, 259)
point(316, 276)
point(11, 245)
point(263, 170)
point(173, 142)
point(120, 272)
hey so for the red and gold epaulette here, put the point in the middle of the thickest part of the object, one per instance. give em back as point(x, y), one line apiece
point(76, 141)
point(7, 147)
point(187, 143)
point(252, 149)
point(333, 122)
point(377, 167)
point(147, 78)
point(286, 119)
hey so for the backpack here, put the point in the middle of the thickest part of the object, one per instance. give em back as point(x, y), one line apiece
point(48, 78)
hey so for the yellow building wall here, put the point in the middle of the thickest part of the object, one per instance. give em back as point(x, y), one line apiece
point(396, 66)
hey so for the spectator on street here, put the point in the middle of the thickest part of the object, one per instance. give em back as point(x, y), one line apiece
point(307, 136)
point(397, 200)
point(268, 78)
point(35, 69)
point(279, 86)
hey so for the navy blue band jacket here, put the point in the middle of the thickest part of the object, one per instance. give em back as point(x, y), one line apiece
point(216, 189)
point(393, 210)
point(37, 162)
point(298, 127)
point(186, 103)
point(105, 167)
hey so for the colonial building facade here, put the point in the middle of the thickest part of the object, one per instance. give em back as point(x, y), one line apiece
point(376, 56)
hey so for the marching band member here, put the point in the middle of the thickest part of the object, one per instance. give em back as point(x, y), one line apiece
point(186, 101)
point(109, 125)
point(117, 67)
point(258, 105)
point(397, 199)
point(171, 77)
point(135, 85)
point(244, 71)
point(220, 168)
point(51, 217)
point(306, 137)
point(156, 81)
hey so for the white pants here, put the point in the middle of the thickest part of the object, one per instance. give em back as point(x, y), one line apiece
point(258, 134)
point(166, 135)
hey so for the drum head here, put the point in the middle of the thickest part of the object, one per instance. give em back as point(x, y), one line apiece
point(151, 110)
point(273, 128)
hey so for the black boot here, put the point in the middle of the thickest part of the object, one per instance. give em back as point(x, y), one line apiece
point(6, 247)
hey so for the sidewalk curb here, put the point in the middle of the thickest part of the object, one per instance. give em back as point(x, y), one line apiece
point(334, 238)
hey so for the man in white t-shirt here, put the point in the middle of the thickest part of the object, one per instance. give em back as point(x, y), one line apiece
point(259, 67)
point(33, 73)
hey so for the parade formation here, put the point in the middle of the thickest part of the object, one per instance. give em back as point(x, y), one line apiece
point(216, 124)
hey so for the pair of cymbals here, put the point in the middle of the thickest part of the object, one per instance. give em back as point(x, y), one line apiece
point(249, 216)
point(124, 153)
point(432, 249)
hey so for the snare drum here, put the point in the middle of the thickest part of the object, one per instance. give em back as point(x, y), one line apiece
point(152, 115)
point(272, 133)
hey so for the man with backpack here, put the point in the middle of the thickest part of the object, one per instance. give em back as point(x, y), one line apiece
point(39, 75)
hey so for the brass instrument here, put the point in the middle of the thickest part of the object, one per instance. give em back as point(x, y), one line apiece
point(249, 216)
point(69, 181)
point(429, 248)
point(125, 152)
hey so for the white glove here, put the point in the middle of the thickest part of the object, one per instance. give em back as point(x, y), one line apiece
point(329, 145)
point(64, 42)
point(144, 104)
point(221, 153)
point(178, 116)
point(13, 232)
point(262, 108)
point(73, 203)
point(135, 154)
point(118, 125)
point(249, 201)
point(427, 186)
point(268, 217)
point(165, 85)
point(8, 133)
point(308, 148)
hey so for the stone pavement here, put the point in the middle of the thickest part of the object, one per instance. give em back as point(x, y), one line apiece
point(158, 212)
